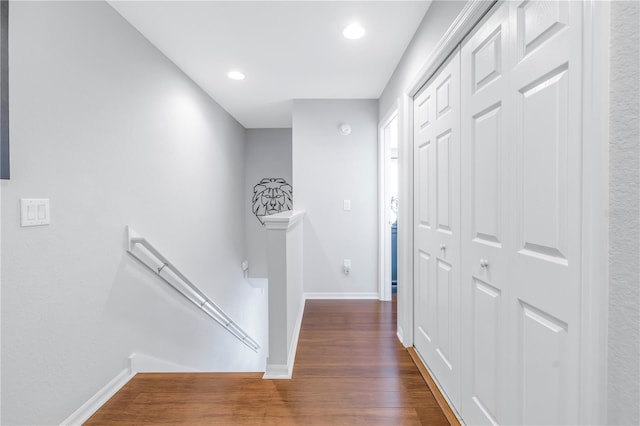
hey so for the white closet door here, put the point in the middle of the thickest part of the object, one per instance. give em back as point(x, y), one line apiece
point(437, 225)
point(521, 190)
point(487, 238)
point(546, 40)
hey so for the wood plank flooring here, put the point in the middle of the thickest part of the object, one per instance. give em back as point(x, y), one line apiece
point(350, 369)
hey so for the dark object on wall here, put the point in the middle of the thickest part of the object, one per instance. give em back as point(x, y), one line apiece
point(271, 196)
point(4, 89)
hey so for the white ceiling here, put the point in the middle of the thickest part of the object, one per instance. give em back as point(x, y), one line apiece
point(287, 49)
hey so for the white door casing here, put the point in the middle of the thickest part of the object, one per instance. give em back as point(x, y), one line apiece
point(437, 225)
point(388, 125)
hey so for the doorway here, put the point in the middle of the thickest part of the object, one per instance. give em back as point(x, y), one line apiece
point(388, 205)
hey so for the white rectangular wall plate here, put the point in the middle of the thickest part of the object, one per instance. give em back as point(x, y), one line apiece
point(346, 266)
point(34, 212)
point(347, 205)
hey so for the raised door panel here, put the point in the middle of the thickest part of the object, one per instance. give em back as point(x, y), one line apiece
point(443, 179)
point(486, 176)
point(423, 162)
point(544, 162)
point(425, 305)
point(444, 314)
point(485, 389)
point(443, 94)
point(538, 22)
point(486, 59)
point(543, 353)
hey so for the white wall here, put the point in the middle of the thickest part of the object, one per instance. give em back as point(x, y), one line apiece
point(327, 169)
point(624, 229)
point(113, 134)
point(435, 23)
point(267, 155)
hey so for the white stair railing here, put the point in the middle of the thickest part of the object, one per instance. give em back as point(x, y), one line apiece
point(172, 276)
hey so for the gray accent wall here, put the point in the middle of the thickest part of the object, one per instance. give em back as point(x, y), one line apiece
point(267, 155)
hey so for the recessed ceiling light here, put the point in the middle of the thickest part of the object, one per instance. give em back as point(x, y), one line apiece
point(354, 31)
point(235, 75)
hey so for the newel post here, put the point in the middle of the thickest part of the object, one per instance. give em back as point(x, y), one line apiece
point(286, 303)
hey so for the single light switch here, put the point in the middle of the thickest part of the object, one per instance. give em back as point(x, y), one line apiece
point(34, 212)
point(31, 211)
point(347, 205)
point(346, 266)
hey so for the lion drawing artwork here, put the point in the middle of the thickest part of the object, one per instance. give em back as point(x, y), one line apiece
point(270, 196)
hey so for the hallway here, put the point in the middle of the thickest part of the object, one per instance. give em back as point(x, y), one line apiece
point(350, 369)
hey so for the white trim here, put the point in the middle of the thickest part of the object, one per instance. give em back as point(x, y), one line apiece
point(278, 372)
point(285, 220)
point(405, 221)
point(291, 357)
point(281, 371)
point(384, 233)
point(337, 296)
point(141, 363)
point(595, 227)
point(87, 409)
point(138, 363)
point(400, 334)
point(464, 22)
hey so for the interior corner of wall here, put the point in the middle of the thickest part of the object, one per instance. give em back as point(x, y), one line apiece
point(141, 363)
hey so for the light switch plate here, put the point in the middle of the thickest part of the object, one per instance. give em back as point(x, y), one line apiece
point(347, 205)
point(34, 212)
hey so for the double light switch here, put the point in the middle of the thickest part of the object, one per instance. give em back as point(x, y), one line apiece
point(34, 212)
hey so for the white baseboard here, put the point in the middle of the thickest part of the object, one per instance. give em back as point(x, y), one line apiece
point(87, 409)
point(141, 363)
point(281, 371)
point(400, 335)
point(327, 295)
point(138, 363)
point(296, 335)
point(278, 371)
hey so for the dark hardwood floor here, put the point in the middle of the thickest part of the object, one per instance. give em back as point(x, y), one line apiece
point(350, 369)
